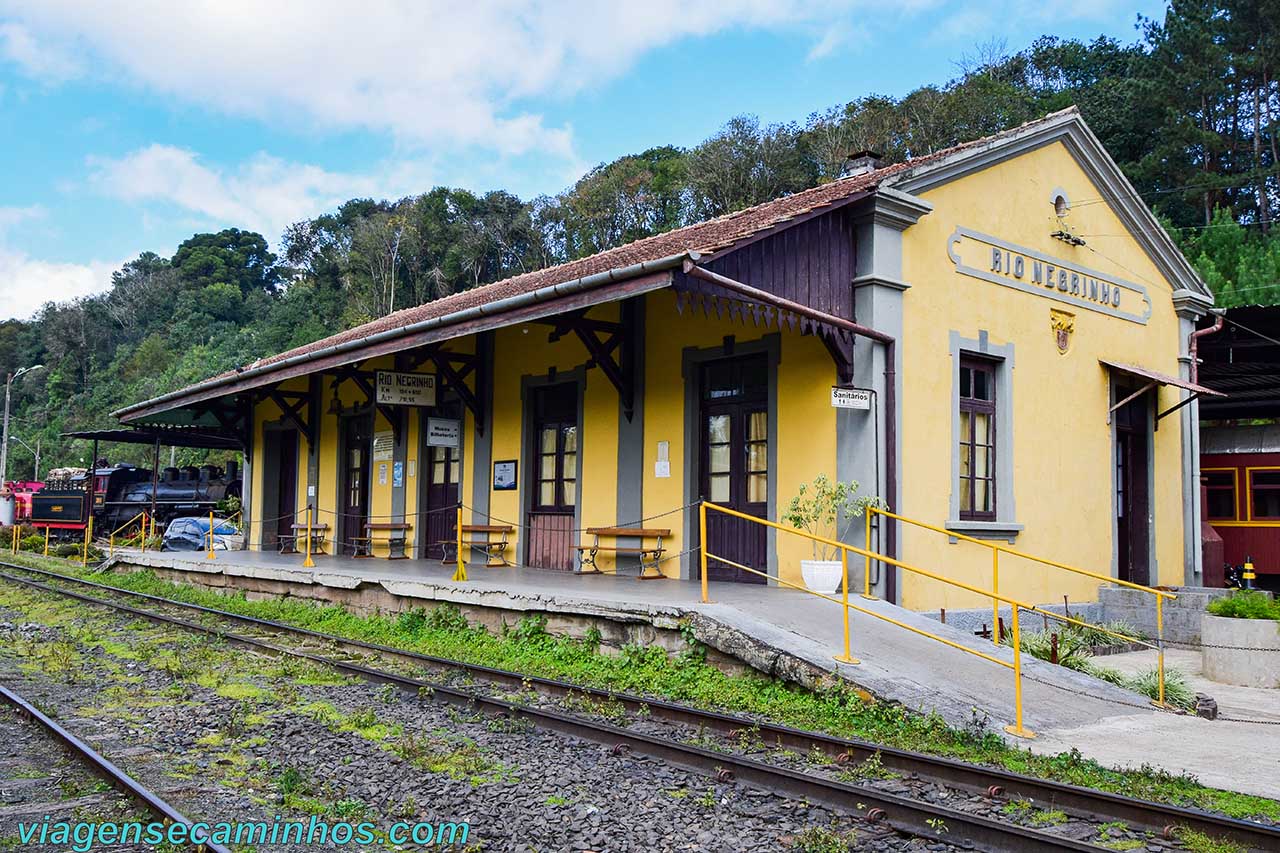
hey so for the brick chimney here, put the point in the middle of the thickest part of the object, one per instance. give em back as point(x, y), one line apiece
point(859, 163)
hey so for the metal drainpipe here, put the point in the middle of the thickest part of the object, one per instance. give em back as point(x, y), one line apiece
point(890, 391)
point(1195, 339)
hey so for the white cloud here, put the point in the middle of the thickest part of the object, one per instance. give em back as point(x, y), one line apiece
point(27, 283)
point(11, 216)
point(264, 194)
point(429, 72)
point(40, 60)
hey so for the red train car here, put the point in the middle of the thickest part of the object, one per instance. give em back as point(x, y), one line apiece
point(1240, 468)
point(22, 491)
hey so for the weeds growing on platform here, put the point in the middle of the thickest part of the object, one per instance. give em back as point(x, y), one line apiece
point(527, 647)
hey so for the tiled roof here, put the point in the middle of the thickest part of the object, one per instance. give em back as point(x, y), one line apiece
point(703, 237)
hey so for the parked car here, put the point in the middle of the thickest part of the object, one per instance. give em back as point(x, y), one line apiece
point(192, 534)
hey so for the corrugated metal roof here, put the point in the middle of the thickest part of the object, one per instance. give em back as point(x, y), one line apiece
point(1161, 378)
point(1251, 438)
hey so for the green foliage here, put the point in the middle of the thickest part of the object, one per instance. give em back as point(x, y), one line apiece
point(821, 839)
point(818, 507)
point(1177, 691)
point(1246, 604)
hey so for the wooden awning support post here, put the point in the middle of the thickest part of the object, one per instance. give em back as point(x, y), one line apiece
point(1135, 395)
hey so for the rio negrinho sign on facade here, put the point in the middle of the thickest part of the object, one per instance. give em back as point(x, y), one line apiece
point(991, 259)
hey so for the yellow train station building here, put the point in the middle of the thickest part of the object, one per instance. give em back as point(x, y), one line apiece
point(993, 339)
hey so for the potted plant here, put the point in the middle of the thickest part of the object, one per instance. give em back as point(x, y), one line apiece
point(818, 508)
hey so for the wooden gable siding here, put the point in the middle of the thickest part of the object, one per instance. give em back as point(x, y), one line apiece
point(811, 263)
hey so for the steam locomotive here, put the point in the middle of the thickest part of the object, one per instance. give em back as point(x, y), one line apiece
point(115, 494)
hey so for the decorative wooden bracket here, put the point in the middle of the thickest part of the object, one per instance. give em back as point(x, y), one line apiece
point(231, 416)
point(841, 349)
point(364, 380)
point(610, 345)
point(292, 404)
point(452, 368)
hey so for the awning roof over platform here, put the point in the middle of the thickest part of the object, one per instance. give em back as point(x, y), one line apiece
point(166, 437)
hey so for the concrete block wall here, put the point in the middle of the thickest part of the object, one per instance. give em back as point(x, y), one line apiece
point(1181, 616)
point(973, 621)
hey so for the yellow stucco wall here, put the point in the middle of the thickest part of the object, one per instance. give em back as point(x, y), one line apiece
point(1062, 443)
point(805, 440)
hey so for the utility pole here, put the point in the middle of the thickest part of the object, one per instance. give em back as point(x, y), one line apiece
point(4, 439)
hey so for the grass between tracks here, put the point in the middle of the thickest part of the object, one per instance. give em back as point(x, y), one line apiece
point(527, 647)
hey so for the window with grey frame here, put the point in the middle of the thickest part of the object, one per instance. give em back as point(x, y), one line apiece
point(977, 404)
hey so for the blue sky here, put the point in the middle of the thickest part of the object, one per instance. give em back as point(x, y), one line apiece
point(128, 127)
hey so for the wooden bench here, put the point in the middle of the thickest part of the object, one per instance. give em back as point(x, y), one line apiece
point(650, 555)
point(479, 537)
point(289, 544)
point(397, 532)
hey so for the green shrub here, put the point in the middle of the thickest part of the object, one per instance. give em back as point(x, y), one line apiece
point(1073, 651)
point(34, 542)
point(1246, 604)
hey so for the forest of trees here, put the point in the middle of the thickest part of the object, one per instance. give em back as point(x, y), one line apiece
point(1189, 110)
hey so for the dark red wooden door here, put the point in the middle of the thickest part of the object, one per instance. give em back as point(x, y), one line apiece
point(355, 482)
point(443, 470)
point(287, 496)
point(734, 464)
point(1133, 513)
point(554, 488)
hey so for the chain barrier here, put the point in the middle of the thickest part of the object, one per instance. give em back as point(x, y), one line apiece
point(518, 526)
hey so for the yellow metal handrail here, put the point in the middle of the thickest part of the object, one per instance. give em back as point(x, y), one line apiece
point(1016, 729)
point(997, 549)
point(111, 537)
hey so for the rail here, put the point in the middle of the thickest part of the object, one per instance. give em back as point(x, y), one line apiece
point(997, 549)
point(1017, 729)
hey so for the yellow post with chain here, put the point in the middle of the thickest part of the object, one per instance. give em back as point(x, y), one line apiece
point(702, 550)
point(15, 538)
point(210, 555)
point(308, 563)
point(1017, 729)
point(460, 573)
point(847, 657)
point(866, 557)
point(46, 540)
point(88, 537)
point(995, 590)
point(1160, 650)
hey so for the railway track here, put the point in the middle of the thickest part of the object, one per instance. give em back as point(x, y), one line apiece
point(103, 768)
point(902, 813)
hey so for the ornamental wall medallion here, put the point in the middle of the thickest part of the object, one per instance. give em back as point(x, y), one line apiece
point(1063, 324)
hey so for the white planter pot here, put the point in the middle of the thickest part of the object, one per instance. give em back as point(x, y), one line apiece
point(822, 575)
point(1260, 668)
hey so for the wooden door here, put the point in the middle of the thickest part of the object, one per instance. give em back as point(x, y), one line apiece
point(286, 508)
point(443, 471)
point(734, 465)
point(1133, 506)
point(554, 486)
point(356, 469)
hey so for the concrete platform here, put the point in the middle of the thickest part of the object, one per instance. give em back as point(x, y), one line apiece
point(784, 632)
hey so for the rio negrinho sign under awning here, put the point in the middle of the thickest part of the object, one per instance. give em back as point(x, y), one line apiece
point(406, 389)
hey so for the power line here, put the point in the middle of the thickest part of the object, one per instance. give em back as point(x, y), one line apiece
point(1234, 184)
point(1245, 328)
